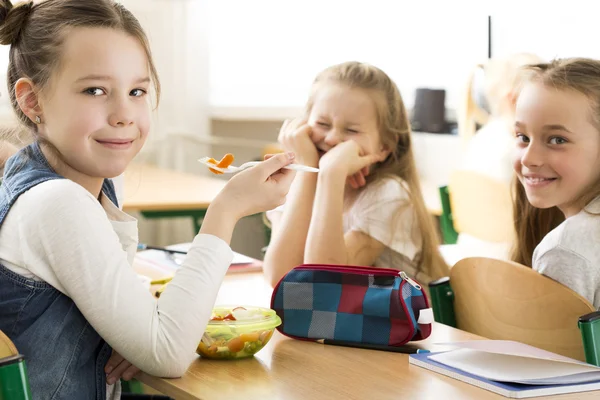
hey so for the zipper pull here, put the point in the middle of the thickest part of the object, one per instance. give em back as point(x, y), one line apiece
point(410, 281)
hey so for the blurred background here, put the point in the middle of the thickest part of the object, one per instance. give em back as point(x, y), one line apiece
point(233, 70)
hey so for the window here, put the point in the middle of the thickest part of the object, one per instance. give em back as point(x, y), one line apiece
point(265, 53)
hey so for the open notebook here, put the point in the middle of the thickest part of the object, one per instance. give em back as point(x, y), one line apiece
point(511, 369)
point(162, 263)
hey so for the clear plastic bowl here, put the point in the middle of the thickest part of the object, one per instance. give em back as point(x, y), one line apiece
point(240, 338)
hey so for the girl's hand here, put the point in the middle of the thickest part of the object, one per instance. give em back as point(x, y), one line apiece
point(359, 179)
point(257, 189)
point(117, 367)
point(295, 135)
point(349, 160)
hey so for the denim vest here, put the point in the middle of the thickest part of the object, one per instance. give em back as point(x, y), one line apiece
point(65, 356)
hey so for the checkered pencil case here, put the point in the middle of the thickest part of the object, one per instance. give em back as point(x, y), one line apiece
point(363, 305)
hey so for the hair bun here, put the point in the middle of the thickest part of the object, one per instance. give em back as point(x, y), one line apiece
point(12, 19)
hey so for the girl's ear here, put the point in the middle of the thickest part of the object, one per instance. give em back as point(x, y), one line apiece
point(28, 99)
point(384, 151)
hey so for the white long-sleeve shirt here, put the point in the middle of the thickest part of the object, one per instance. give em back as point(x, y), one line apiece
point(59, 233)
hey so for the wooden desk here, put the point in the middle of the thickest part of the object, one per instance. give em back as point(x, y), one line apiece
point(150, 189)
point(162, 193)
point(293, 369)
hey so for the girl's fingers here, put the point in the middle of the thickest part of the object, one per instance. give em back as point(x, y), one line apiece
point(283, 176)
point(297, 123)
point(360, 179)
point(275, 163)
point(352, 182)
point(130, 372)
point(114, 360)
point(366, 161)
point(299, 133)
point(116, 374)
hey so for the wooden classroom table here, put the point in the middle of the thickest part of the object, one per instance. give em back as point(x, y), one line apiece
point(162, 193)
point(291, 369)
point(159, 193)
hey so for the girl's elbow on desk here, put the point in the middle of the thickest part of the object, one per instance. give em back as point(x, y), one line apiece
point(173, 368)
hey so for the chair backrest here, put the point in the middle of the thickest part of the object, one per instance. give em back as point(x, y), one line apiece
point(481, 206)
point(14, 384)
point(505, 300)
point(7, 347)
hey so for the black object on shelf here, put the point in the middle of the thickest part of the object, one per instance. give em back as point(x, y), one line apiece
point(429, 111)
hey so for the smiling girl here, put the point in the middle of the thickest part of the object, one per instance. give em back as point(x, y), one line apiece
point(558, 167)
point(80, 74)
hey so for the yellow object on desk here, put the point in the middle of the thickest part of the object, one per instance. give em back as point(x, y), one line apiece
point(161, 281)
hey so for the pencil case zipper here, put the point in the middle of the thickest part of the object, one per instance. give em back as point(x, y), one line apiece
point(362, 271)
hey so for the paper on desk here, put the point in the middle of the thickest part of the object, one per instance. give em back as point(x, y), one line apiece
point(510, 347)
point(170, 262)
point(237, 257)
point(507, 361)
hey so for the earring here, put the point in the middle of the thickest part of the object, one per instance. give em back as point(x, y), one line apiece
point(38, 120)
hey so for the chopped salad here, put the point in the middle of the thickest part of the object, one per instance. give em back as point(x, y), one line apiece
point(237, 333)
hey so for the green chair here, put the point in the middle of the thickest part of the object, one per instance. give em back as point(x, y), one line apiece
point(477, 205)
point(14, 384)
point(449, 234)
point(503, 300)
point(132, 386)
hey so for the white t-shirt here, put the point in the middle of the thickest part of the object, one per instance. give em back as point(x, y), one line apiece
point(59, 233)
point(570, 254)
point(383, 211)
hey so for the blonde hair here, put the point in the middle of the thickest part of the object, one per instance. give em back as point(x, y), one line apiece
point(581, 75)
point(394, 131)
point(497, 80)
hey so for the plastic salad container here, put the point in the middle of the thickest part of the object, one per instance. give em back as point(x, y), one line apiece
point(237, 332)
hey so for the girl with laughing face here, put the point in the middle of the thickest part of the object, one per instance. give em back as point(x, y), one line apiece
point(365, 206)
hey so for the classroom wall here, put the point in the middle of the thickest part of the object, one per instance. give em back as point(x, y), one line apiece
point(244, 91)
point(570, 30)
